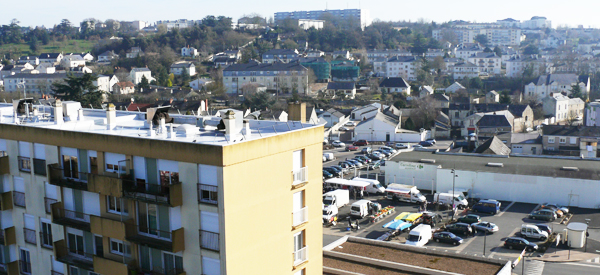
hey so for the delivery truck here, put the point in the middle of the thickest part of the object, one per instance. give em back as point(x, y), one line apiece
point(374, 186)
point(447, 198)
point(338, 197)
point(403, 192)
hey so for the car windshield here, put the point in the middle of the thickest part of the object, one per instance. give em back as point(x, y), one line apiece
point(413, 238)
point(325, 212)
point(328, 201)
point(378, 186)
point(461, 197)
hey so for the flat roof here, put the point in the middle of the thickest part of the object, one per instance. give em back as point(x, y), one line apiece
point(545, 166)
point(186, 128)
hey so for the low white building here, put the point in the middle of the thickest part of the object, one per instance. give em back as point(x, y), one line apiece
point(464, 70)
point(310, 23)
point(199, 83)
point(180, 67)
point(189, 51)
point(455, 87)
point(516, 65)
point(557, 106)
point(487, 62)
point(383, 127)
point(545, 85)
point(72, 61)
point(136, 75)
point(332, 117)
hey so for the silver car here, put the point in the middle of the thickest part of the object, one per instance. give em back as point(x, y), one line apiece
point(486, 227)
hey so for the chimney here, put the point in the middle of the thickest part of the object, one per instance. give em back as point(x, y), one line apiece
point(229, 121)
point(171, 134)
point(58, 112)
point(162, 127)
point(246, 131)
point(297, 111)
point(80, 114)
point(111, 117)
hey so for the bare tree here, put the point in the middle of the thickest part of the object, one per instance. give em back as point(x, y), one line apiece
point(424, 112)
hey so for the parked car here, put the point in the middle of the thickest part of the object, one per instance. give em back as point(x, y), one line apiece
point(351, 148)
point(361, 161)
point(401, 146)
point(324, 158)
point(417, 146)
point(459, 228)
point(340, 168)
point(368, 160)
point(336, 168)
point(366, 150)
point(325, 141)
point(375, 157)
point(447, 237)
point(431, 140)
point(350, 123)
point(544, 214)
point(564, 209)
point(375, 164)
point(338, 143)
point(333, 171)
point(545, 227)
point(327, 175)
point(378, 154)
point(360, 142)
point(383, 152)
point(425, 143)
point(488, 206)
point(356, 163)
point(519, 244)
point(343, 129)
point(344, 164)
point(387, 148)
point(532, 231)
point(470, 219)
point(485, 226)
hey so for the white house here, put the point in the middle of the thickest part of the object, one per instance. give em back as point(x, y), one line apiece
point(189, 51)
point(107, 56)
point(136, 75)
point(466, 50)
point(394, 85)
point(366, 112)
point(464, 70)
point(332, 117)
point(134, 52)
point(402, 66)
point(487, 62)
point(72, 61)
point(103, 83)
point(492, 97)
point(180, 67)
point(425, 91)
point(545, 85)
point(516, 65)
point(199, 83)
point(556, 105)
point(455, 87)
point(53, 58)
point(383, 127)
point(33, 60)
point(123, 88)
point(112, 81)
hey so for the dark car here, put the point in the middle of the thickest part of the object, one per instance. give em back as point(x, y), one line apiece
point(344, 164)
point(362, 161)
point(425, 143)
point(368, 160)
point(334, 172)
point(374, 157)
point(545, 227)
point(459, 228)
point(351, 148)
point(470, 219)
point(519, 244)
point(544, 214)
point(356, 163)
point(327, 175)
point(366, 150)
point(447, 237)
point(360, 142)
point(340, 168)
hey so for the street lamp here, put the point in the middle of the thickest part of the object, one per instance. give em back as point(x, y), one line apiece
point(587, 222)
point(22, 83)
point(454, 176)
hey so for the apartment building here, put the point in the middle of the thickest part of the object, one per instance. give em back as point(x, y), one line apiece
point(464, 70)
point(112, 192)
point(32, 83)
point(545, 85)
point(487, 62)
point(516, 66)
point(283, 77)
point(360, 17)
point(402, 66)
point(280, 55)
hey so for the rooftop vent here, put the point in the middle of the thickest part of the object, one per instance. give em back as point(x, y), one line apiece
point(570, 168)
point(427, 160)
point(23, 106)
point(495, 164)
point(155, 114)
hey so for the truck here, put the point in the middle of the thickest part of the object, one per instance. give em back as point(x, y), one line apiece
point(403, 192)
point(360, 208)
point(447, 198)
point(419, 236)
point(374, 186)
point(330, 214)
point(338, 197)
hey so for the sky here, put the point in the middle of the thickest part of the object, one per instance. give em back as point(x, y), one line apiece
point(49, 13)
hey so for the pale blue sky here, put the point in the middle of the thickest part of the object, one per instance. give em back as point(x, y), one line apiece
point(50, 12)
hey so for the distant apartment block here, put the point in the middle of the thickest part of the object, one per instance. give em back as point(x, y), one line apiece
point(177, 24)
point(361, 17)
point(282, 77)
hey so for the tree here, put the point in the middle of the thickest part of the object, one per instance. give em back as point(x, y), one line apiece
point(531, 49)
point(260, 101)
point(577, 93)
point(424, 112)
point(504, 98)
point(79, 88)
point(498, 51)
point(419, 45)
point(34, 45)
point(144, 85)
point(476, 83)
point(185, 77)
point(482, 39)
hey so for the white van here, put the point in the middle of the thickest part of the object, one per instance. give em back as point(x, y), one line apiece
point(420, 235)
point(532, 231)
point(459, 199)
point(360, 208)
point(374, 186)
point(329, 156)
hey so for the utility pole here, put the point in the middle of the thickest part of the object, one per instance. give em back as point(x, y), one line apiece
point(454, 176)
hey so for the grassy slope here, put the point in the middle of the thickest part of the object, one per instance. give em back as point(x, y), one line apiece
point(69, 46)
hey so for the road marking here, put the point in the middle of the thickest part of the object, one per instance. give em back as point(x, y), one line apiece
point(582, 264)
point(502, 242)
point(534, 267)
point(465, 244)
point(594, 260)
point(503, 211)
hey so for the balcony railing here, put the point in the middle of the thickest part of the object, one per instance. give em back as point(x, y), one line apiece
point(300, 216)
point(209, 240)
point(208, 194)
point(48, 204)
point(52, 272)
point(68, 178)
point(170, 195)
point(19, 198)
point(24, 267)
point(172, 241)
point(4, 166)
point(300, 176)
point(8, 236)
point(301, 256)
point(46, 240)
point(72, 256)
point(70, 218)
point(29, 236)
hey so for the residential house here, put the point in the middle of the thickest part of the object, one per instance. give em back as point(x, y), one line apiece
point(112, 81)
point(197, 84)
point(592, 114)
point(348, 89)
point(72, 61)
point(311, 115)
point(516, 66)
point(107, 56)
point(557, 106)
point(237, 54)
point(492, 97)
point(33, 60)
point(494, 124)
point(386, 53)
point(578, 141)
point(458, 112)
point(425, 91)
point(526, 143)
point(179, 68)
point(189, 51)
point(466, 50)
point(53, 58)
point(280, 55)
point(88, 57)
point(455, 87)
point(383, 127)
point(441, 100)
point(394, 85)
point(332, 117)
point(493, 146)
point(136, 75)
point(103, 83)
point(314, 53)
point(464, 70)
point(223, 61)
point(134, 52)
point(123, 88)
point(282, 77)
point(545, 85)
point(576, 107)
point(365, 112)
point(488, 63)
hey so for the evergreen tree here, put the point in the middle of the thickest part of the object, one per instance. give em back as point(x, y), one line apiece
point(144, 85)
point(79, 88)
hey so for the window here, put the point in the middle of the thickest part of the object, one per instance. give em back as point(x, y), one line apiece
point(39, 167)
point(562, 140)
point(25, 262)
point(550, 139)
point(46, 234)
point(116, 247)
point(25, 164)
point(116, 205)
point(573, 140)
point(75, 244)
point(73, 270)
point(168, 178)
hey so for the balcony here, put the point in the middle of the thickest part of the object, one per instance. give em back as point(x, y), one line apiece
point(8, 236)
point(300, 176)
point(70, 218)
point(6, 202)
point(161, 271)
point(109, 266)
point(29, 236)
point(299, 217)
point(68, 178)
point(208, 194)
point(209, 240)
point(10, 268)
point(4, 167)
point(73, 256)
point(170, 195)
point(107, 227)
point(105, 185)
point(19, 198)
point(172, 241)
point(300, 256)
point(48, 204)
